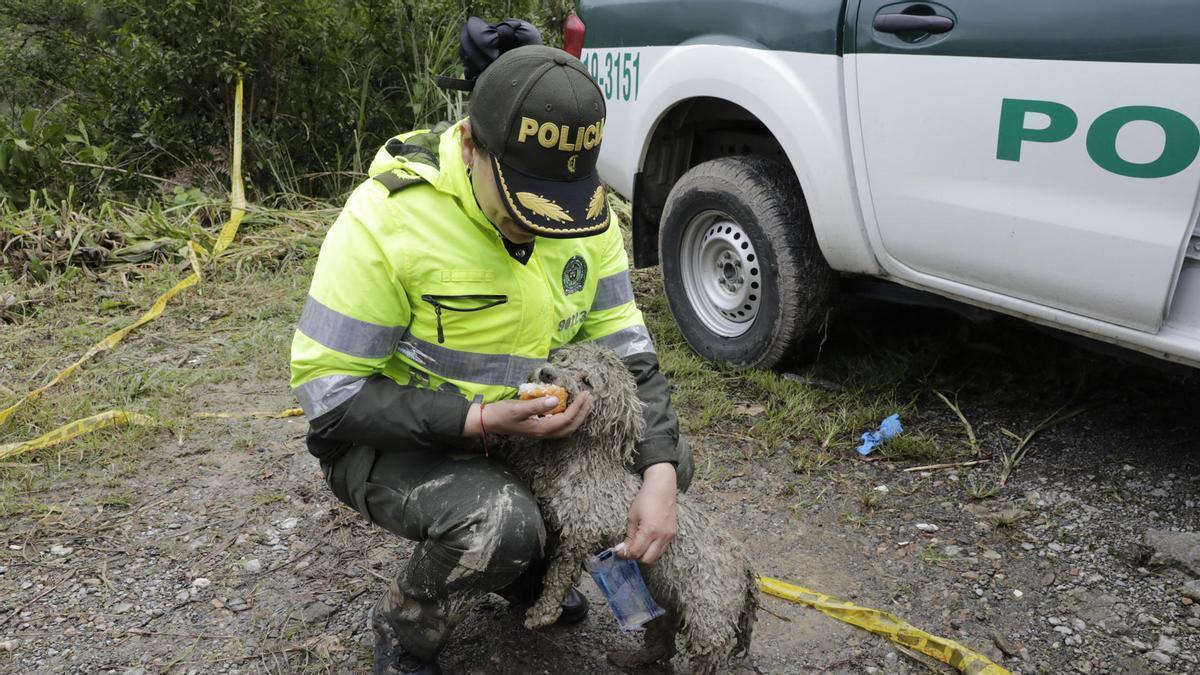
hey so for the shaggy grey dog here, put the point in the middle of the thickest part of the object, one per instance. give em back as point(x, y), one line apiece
point(703, 580)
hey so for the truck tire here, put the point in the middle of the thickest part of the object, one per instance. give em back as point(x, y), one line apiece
point(744, 277)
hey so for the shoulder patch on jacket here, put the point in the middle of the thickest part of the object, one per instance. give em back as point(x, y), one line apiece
point(394, 182)
point(419, 147)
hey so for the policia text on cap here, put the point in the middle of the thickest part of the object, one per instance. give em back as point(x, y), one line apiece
point(469, 256)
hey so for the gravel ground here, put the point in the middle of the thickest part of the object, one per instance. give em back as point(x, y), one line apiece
point(236, 560)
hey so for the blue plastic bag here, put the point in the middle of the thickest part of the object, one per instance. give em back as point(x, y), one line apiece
point(621, 582)
point(888, 429)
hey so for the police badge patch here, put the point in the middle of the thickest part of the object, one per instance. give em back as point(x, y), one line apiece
point(574, 274)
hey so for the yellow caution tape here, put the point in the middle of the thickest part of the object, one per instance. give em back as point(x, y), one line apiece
point(290, 412)
point(223, 240)
point(238, 198)
point(888, 625)
point(114, 418)
point(66, 432)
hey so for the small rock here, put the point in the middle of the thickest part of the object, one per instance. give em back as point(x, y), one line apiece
point(927, 527)
point(1179, 549)
point(288, 523)
point(1003, 644)
point(182, 596)
point(1078, 624)
point(1159, 492)
point(1136, 644)
point(123, 607)
point(237, 605)
point(317, 611)
point(952, 550)
point(1191, 590)
point(1158, 657)
point(1027, 546)
point(252, 565)
point(60, 550)
point(991, 555)
point(1017, 593)
point(201, 582)
point(1063, 629)
point(1166, 645)
point(9, 645)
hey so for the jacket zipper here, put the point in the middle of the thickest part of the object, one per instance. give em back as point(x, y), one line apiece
point(438, 306)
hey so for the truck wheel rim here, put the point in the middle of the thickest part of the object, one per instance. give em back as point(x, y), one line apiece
point(721, 273)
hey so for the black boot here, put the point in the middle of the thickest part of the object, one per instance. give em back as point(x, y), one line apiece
point(391, 658)
point(574, 608)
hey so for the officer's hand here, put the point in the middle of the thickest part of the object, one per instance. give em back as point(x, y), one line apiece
point(651, 523)
point(514, 417)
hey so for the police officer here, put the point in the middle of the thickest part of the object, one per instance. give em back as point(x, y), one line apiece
point(449, 276)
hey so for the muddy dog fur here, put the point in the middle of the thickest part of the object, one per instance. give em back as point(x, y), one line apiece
point(584, 489)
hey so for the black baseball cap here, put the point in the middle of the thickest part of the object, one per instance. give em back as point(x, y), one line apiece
point(540, 115)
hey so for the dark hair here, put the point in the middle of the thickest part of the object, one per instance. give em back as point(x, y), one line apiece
point(481, 43)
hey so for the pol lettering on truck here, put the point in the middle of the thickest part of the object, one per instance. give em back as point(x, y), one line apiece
point(1181, 136)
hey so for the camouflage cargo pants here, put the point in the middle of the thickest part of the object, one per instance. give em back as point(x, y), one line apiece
point(477, 528)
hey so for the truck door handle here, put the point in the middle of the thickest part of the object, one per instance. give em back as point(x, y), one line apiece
point(918, 23)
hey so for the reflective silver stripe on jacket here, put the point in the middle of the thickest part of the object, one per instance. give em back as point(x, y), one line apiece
point(346, 334)
point(613, 291)
point(489, 369)
point(323, 394)
point(628, 341)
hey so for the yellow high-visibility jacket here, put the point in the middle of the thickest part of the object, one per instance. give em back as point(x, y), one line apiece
point(418, 307)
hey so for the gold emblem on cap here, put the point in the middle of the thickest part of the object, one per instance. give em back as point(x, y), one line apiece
point(543, 207)
point(571, 163)
point(596, 205)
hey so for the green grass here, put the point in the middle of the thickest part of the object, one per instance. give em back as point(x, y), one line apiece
point(235, 326)
point(817, 428)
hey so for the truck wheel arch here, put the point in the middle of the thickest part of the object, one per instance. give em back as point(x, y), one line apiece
point(689, 133)
point(798, 119)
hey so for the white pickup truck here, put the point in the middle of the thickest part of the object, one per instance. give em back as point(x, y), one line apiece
point(1032, 157)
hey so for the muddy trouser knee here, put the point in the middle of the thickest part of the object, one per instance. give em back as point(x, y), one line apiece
point(477, 528)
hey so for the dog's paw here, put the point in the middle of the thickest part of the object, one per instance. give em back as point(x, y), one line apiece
point(537, 617)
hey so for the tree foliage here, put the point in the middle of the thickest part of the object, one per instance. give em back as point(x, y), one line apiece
point(104, 97)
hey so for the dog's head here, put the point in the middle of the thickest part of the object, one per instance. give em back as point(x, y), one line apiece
point(616, 410)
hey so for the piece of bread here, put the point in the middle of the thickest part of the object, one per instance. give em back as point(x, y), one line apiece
point(532, 390)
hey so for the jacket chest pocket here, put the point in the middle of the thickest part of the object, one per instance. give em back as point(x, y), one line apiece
point(446, 306)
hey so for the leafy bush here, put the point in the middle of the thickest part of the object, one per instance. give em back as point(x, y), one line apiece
point(327, 81)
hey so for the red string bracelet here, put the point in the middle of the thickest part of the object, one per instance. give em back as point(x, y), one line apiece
point(483, 430)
